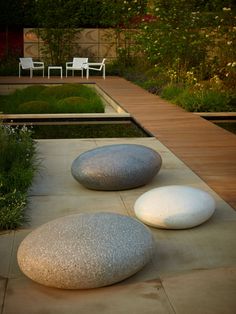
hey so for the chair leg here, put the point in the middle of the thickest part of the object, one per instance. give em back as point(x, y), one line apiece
point(31, 73)
point(87, 73)
point(19, 70)
point(43, 72)
point(104, 72)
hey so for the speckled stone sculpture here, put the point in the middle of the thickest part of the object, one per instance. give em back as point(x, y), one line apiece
point(116, 167)
point(174, 207)
point(85, 250)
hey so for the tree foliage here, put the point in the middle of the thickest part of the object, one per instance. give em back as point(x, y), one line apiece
point(195, 37)
point(56, 28)
point(17, 13)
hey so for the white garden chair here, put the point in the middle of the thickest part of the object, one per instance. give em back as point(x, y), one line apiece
point(29, 64)
point(78, 64)
point(97, 66)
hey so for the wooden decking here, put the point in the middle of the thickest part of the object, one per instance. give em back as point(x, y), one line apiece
point(206, 148)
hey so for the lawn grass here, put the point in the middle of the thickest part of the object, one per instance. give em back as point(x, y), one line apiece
point(68, 98)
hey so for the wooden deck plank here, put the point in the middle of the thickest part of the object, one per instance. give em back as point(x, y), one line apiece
point(207, 149)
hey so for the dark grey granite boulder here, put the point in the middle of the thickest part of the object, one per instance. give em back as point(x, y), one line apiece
point(85, 251)
point(116, 167)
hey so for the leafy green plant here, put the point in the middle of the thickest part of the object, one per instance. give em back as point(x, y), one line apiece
point(171, 91)
point(191, 37)
point(9, 65)
point(17, 168)
point(204, 100)
point(12, 210)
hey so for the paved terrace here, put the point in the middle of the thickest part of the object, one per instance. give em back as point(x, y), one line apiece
point(206, 148)
point(193, 271)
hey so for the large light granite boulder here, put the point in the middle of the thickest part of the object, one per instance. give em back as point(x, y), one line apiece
point(116, 167)
point(85, 250)
point(174, 207)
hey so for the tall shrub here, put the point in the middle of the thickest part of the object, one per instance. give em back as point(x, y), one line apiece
point(196, 36)
point(57, 22)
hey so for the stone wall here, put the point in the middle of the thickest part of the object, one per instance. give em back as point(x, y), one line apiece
point(93, 43)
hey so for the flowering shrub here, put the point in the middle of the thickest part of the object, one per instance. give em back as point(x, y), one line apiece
point(17, 166)
point(204, 100)
point(192, 40)
point(122, 13)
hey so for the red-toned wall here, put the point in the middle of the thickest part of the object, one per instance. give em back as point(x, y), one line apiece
point(11, 40)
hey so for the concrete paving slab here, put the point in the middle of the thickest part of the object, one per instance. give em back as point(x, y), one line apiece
point(64, 146)
point(55, 193)
point(3, 282)
point(45, 208)
point(54, 177)
point(19, 235)
point(206, 246)
point(55, 158)
point(48, 182)
point(6, 246)
point(203, 291)
point(223, 210)
point(140, 298)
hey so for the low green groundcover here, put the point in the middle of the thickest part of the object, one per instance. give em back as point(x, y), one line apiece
point(68, 98)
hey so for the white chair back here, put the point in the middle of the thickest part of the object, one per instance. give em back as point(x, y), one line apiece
point(26, 63)
point(79, 63)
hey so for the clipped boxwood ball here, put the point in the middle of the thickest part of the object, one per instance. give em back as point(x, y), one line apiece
point(72, 104)
point(61, 91)
point(34, 89)
point(34, 106)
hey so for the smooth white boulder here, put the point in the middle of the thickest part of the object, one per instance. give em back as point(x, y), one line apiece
point(85, 250)
point(116, 167)
point(174, 207)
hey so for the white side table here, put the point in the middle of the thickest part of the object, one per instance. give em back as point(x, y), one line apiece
point(54, 67)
